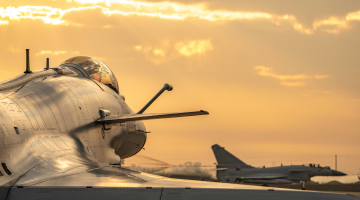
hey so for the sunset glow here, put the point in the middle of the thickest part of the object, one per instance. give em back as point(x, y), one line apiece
point(194, 47)
point(280, 79)
point(168, 11)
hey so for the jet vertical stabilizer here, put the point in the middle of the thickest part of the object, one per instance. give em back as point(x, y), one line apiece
point(224, 158)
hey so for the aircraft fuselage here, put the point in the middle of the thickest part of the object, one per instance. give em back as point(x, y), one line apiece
point(54, 116)
point(272, 175)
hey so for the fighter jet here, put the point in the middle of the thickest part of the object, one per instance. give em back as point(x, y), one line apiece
point(233, 170)
point(65, 131)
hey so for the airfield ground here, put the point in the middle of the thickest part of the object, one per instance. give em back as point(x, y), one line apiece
point(352, 188)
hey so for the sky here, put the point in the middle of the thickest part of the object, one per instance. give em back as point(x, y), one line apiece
point(280, 78)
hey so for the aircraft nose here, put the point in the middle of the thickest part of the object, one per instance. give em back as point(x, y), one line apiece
point(337, 173)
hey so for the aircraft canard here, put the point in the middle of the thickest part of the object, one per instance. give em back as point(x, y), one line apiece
point(64, 131)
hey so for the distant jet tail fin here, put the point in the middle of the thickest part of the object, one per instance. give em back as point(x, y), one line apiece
point(223, 157)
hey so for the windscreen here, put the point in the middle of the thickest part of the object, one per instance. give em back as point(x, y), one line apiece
point(96, 70)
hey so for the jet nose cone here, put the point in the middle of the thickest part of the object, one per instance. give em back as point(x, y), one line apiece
point(337, 173)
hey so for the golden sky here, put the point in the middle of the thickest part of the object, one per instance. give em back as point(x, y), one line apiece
point(280, 78)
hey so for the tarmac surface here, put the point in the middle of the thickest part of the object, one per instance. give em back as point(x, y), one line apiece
point(350, 193)
point(351, 188)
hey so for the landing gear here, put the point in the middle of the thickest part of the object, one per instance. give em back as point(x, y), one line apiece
point(303, 185)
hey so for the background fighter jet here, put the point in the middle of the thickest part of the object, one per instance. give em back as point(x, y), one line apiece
point(64, 131)
point(233, 170)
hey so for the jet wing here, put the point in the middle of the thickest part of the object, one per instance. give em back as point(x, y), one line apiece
point(72, 177)
point(298, 170)
point(136, 117)
point(263, 176)
point(110, 176)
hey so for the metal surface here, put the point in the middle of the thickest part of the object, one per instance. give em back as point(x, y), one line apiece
point(135, 117)
point(47, 63)
point(167, 87)
point(165, 194)
point(233, 170)
point(27, 62)
point(54, 148)
point(21, 80)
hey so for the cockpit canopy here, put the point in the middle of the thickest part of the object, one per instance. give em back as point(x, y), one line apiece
point(314, 165)
point(92, 68)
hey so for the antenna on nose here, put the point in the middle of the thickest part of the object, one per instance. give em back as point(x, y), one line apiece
point(27, 62)
point(47, 63)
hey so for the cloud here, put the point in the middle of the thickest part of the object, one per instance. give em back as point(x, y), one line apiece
point(149, 49)
point(166, 51)
point(108, 26)
point(321, 91)
point(159, 52)
point(55, 53)
point(194, 47)
point(155, 55)
point(13, 49)
point(293, 84)
point(170, 11)
point(3, 22)
point(266, 71)
point(48, 14)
